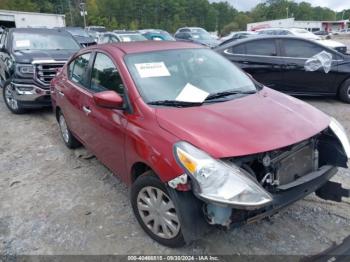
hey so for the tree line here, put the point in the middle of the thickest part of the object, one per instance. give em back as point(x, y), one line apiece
point(172, 14)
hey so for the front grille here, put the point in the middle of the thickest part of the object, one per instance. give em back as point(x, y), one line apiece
point(44, 73)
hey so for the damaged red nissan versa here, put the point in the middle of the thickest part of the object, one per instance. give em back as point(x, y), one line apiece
point(199, 142)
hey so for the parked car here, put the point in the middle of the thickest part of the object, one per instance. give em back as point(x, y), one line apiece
point(198, 140)
point(279, 62)
point(95, 31)
point(238, 35)
point(81, 36)
point(30, 58)
point(323, 34)
point(299, 32)
point(344, 31)
point(196, 35)
point(121, 36)
point(156, 35)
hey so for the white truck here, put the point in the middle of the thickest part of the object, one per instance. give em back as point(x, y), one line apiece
point(19, 19)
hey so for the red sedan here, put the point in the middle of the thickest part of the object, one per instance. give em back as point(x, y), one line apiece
point(199, 141)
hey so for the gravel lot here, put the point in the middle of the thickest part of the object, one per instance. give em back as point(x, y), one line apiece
point(57, 201)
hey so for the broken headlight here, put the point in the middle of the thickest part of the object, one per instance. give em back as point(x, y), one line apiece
point(340, 132)
point(216, 181)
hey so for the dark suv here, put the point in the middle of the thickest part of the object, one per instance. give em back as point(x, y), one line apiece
point(29, 59)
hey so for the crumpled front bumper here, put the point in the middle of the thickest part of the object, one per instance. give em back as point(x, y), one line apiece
point(317, 181)
point(31, 95)
point(285, 198)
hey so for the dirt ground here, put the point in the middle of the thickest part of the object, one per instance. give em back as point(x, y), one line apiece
point(57, 201)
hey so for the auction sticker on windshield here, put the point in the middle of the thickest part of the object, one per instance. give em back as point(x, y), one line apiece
point(190, 93)
point(157, 69)
point(22, 43)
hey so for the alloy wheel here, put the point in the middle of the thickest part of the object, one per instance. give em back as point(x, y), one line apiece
point(10, 97)
point(64, 129)
point(158, 212)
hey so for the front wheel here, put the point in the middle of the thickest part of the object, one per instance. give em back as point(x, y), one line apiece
point(155, 210)
point(344, 92)
point(11, 102)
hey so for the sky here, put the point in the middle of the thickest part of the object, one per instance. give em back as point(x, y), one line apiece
point(245, 5)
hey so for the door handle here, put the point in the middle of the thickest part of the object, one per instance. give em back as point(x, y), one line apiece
point(61, 93)
point(86, 110)
point(245, 62)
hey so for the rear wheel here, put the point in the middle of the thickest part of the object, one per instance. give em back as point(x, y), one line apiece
point(155, 210)
point(344, 91)
point(68, 137)
point(9, 96)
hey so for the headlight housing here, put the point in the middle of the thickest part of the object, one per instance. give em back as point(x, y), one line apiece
point(340, 132)
point(218, 182)
point(25, 69)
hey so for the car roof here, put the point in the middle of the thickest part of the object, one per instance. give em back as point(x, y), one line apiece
point(146, 46)
point(38, 30)
point(245, 40)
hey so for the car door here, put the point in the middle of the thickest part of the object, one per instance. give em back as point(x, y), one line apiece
point(105, 128)
point(260, 59)
point(72, 93)
point(297, 80)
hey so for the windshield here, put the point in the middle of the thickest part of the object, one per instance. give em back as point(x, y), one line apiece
point(37, 41)
point(131, 37)
point(163, 75)
point(78, 32)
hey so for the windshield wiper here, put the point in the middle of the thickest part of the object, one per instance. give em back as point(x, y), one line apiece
point(228, 93)
point(174, 103)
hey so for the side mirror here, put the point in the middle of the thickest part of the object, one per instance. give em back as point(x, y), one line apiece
point(109, 99)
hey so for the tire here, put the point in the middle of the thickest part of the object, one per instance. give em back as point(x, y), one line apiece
point(67, 136)
point(344, 92)
point(9, 99)
point(148, 187)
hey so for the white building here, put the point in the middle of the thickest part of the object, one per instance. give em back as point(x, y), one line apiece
point(312, 26)
point(27, 19)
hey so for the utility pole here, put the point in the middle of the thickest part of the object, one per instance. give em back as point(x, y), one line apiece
point(83, 12)
point(70, 12)
point(287, 9)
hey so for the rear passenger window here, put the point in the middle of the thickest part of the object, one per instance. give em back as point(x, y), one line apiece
point(77, 69)
point(299, 48)
point(261, 47)
point(239, 49)
point(105, 75)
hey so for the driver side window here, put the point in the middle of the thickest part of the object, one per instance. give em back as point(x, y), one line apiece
point(77, 69)
point(105, 75)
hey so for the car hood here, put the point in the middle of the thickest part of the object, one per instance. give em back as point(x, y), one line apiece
point(261, 122)
point(28, 56)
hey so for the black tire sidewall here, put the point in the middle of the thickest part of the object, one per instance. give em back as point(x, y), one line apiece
point(150, 179)
point(344, 91)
